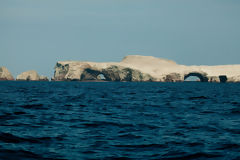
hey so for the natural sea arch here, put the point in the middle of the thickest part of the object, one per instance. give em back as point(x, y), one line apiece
point(90, 74)
point(201, 76)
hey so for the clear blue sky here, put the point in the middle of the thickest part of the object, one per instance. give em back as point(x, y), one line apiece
point(36, 34)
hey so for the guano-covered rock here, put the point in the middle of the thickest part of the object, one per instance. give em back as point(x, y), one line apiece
point(5, 75)
point(143, 68)
point(31, 76)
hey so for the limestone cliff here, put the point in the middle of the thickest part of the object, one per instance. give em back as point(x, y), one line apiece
point(143, 68)
point(5, 75)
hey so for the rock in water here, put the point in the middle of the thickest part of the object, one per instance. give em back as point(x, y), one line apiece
point(43, 78)
point(28, 76)
point(5, 75)
point(143, 68)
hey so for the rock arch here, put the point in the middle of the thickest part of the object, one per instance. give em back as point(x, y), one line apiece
point(114, 73)
point(91, 74)
point(202, 76)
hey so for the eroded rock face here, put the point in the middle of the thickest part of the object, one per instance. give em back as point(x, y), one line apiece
point(5, 75)
point(143, 68)
point(84, 72)
point(28, 76)
point(119, 73)
point(173, 77)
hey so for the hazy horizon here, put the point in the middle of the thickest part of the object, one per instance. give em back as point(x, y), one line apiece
point(37, 34)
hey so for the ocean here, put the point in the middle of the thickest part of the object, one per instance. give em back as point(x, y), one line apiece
point(119, 120)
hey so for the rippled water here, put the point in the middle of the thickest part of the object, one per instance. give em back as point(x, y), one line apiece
point(94, 120)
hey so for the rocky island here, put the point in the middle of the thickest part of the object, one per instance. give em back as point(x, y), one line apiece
point(133, 68)
point(31, 76)
point(143, 68)
point(5, 75)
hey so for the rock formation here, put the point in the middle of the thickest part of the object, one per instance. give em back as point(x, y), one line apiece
point(5, 75)
point(43, 78)
point(31, 76)
point(143, 68)
point(28, 76)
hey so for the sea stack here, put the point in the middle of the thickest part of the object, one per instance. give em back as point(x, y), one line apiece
point(43, 78)
point(5, 75)
point(31, 76)
point(28, 76)
point(143, 68)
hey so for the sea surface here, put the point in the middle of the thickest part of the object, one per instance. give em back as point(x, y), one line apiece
point(119, 120)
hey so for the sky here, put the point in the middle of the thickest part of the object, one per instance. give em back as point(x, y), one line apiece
point(34, 35)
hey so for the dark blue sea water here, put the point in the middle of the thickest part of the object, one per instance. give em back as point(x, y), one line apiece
point(117, 120)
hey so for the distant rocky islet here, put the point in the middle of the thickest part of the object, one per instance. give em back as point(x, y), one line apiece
point(31, 75)
point(5, 75)
point(133, 68)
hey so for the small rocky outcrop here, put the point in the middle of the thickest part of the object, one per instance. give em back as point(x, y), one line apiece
point(223, 78)
point(5, 75)
point(28, 76)
point(43, 78)
point(214, 79)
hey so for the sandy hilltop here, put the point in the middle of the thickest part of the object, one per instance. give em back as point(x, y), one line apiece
point(131, 68)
